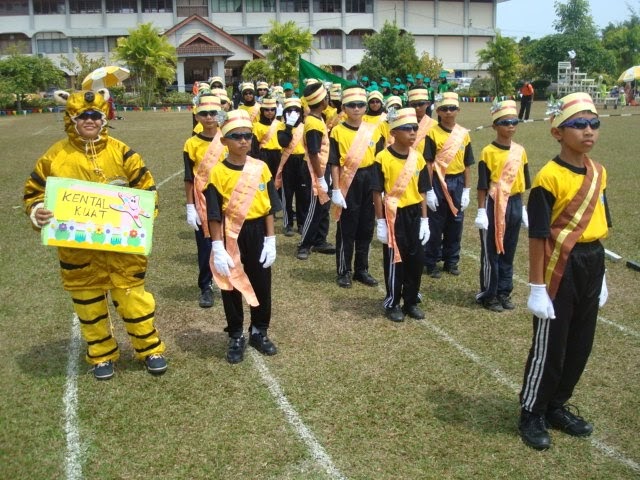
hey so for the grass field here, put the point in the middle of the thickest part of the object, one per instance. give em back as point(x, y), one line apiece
point(350, 395)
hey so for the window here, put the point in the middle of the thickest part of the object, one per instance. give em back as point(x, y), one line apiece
point(51, 42)
point(122, 6)
point(85, 6)
point(14, 7)
point(14, 42)
point(88, 44)
point(359, 6)
point(294, 6)
point(157, 6)
point(260, 5)
point(328, 39)
point(254, 42)
point(226, 6)
point(186, 8)
point(327, 6)
point(355, 40)
point(48, 7)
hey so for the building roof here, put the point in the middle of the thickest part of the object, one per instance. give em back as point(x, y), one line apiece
point(201, 45)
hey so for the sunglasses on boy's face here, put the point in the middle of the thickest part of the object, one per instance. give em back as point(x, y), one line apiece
point(407, 128)
point(211, 113)
point(355, 105)
point(417, 104)
point(582, 123)
point(448, 108)
point(507, 122)
point(90, 115)
point(239, 136)
point(268, 109)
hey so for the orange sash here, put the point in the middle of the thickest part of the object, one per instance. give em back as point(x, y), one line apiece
point(392, 199)
point(570, 224)
point(201, 179)
point(237, 209)
point(295, 140)
point(423, 128)
point(269, 135)
point(500, 191)
point(324, 158)
point(352, 161)
point(444, 158)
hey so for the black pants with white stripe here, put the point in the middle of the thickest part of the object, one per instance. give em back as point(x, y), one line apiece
point(561, 346)
point(311, 214)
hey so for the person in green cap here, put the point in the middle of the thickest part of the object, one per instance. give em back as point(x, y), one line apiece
point(431, 95)
point(364, 82)
point(444, 85)
point(419, 80)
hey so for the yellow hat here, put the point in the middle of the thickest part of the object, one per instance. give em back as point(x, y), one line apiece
point(247, 86)
point(268, 103)
point(317, 95)
point(309, 81)
point(418, 95)
point(292, 102)
point(393, 101)
point(375, 94)
point(502, 109)
point(448, 98)
point(220, 93)
point(354, 94)
point(219, 80)
point(568, 106)
point(262, 85)
point(236, 119)
point(208, 103)
point(277, 89)
point(403, 116)
point(335, 94)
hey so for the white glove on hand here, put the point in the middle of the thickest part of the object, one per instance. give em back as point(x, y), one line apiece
point(382, 233)
point(193, 219)
point(540, 303)
point(291, 118)
point(432, 200)
point(33, 214)
point(464, 200)
point(323, 184)
point(482, 221)
point(525, 217)
point(268, 255)
point(337, 198)
point(604, 292)
point(222, 261)
point(425, 233)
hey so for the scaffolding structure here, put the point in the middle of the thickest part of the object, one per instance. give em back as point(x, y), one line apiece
point(572, 80)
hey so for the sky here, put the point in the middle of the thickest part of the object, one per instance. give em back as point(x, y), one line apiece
point(522, 18)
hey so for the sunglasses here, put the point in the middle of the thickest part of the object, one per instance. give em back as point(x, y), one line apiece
point(507, 122)
point(417, 104)
point(211, 113)
point(375, 100)
point(355, 105)
point(239, 136)
point(582, 123)
point(448, 108)
point(90, 115)
point(407, 128)
point(248, 92)
point(269, 109)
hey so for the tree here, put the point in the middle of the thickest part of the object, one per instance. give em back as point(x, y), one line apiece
point(286, 42)
point(25, 74)
point(81, 66)
point(503, 62)
point(150, 58)
point(430, 67)
point(574, 18)
point(390, 53)
point(258, 70)
point(623, 40)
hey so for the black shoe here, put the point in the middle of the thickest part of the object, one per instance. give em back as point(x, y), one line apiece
point(103, 370)
point(288, 232)
point(156, 364)
point(505, 301)
point(206, 298)
point(303, 253)
point(365, 277)
point(394, 314)
point(433, 272)
point(413, 311)
point(344, 280)
point(261, 343)
point(235, 349)
point(533, 430)
point(492, 304)
point(452, 269)
point(563, 419)
point(324, 247)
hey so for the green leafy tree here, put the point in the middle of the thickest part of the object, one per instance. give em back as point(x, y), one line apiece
point(390, 53)
point(574, 18)
point(150, 58)
point(623, 40)
point(430, 66)
point(286, 42)
point(503, 63)
point(81, 66)
point(258, 70)
point(26, 74)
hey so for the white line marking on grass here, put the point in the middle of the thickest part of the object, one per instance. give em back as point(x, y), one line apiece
point(40, 131)
point(72, 458)
point(307, 436)
point(169, 178)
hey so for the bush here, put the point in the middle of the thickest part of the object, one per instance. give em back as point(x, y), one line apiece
point(177, 98)
point(36, 102)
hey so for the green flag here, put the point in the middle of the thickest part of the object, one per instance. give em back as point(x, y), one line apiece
point(309, 70)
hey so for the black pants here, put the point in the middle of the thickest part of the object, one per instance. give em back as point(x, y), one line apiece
point(292, 187)
point(313, 216)
point(560, 347)
point(525, 107)
point(250, 243)
point(272, 159)
point(355, 227)
point(402, 280)
point(204, 254)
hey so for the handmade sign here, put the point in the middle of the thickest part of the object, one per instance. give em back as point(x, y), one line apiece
point(98, 216)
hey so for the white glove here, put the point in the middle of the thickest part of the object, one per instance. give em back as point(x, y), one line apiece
point(33, 214)
point(268, 255)
point(291, 118)
point(338, 198)
point(482, 221)
point(525, 217)
point(540, 303)
point(464, 200)
point(432, 200)
point(604, 291)
point(382, 233)
point(425, 233)
point(193, 219)
point(323, 184)
point(222, 261)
